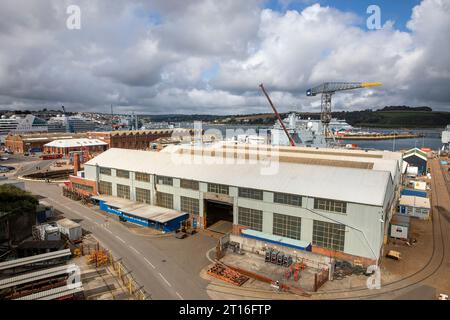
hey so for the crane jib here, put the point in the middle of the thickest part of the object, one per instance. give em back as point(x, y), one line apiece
point(332, 87)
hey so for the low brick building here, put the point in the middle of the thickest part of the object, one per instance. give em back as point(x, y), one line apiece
point(21, 143)
point(66, 147)
point(137, 139)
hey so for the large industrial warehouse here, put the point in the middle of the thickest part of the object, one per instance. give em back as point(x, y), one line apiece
point(332, 202)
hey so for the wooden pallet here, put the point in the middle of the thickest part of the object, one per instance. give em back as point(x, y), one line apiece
point(228, 275)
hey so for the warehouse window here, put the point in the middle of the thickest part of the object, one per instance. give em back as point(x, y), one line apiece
point(189, 184)
point(250, 193)
point(286, 198)
point(330, 205)
point(105, 187)
point(190, 205)
point(142, 195)
point(286, 226)
point(218, 188)
point(140, 176)
point(329, 235)
point(164, 200)
point(122, 174)
point(123, 191)
point(83, 187)
point(105, 171)
point(250, 218)
point(164, 180)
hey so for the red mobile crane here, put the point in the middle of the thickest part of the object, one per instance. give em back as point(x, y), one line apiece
point(291, 141)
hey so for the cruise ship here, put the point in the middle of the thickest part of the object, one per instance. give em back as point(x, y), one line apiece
point(62, 123)
point(16, 124)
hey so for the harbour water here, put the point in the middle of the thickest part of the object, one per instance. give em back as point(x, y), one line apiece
point(430, 138)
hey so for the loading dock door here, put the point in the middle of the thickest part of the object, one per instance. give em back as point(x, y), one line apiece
point(216, 211)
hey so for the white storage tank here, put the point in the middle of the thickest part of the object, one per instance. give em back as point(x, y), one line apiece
point(70, 228)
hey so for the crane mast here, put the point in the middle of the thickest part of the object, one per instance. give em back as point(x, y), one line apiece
point(327, 90)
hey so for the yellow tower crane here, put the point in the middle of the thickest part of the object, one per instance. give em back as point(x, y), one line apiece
point(327, 89)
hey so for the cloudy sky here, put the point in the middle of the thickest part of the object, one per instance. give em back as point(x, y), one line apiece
point(209, 56)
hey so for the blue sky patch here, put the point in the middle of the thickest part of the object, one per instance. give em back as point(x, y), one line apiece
point(398, 11)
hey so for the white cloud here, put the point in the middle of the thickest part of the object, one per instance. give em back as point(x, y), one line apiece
point(152, 56)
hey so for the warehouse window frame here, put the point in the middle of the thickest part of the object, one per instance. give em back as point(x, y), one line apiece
point(143, 195)
point(218, 188)
point(105, 185)
point(164, 199)
point(105, 171)
point(123, 191)
point(251, 218)
point(190, 205)
point(287, 226)
point(330, 205)
point(164, 180)
point(125, 174)
point(287, 198)
point(250, 193)
point(329, 235)
point(142, 176)
point(189, 184)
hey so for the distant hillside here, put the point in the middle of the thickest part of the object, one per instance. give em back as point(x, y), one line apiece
point(387, 117)
point(396, 116)
point(405, 108)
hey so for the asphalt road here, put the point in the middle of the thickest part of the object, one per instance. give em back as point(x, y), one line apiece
point(25, 165)
point(156, 270)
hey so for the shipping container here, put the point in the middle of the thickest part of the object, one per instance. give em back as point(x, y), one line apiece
point(52, 233)
point(400, 227)
point(71, 229)
point(411, 192)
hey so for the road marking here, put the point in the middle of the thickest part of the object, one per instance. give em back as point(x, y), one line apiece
point(108, 230)
point(134, 249)
point(179, 295)
point(150, 263)
point(168, 283)
point(207, 254)
point(120, 239)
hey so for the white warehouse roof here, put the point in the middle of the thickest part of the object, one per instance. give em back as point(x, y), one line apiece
point(382, 164)
point(346, 184)
point(72, 143)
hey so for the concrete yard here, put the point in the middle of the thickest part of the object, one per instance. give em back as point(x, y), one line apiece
point(255, 263)
point(100, 283)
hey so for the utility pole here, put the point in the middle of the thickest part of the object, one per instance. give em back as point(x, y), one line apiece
point(393, 143)
point(112, 117)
